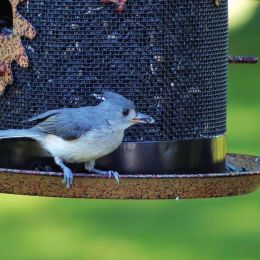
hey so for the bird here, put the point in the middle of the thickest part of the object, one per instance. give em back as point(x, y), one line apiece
point(84, 134)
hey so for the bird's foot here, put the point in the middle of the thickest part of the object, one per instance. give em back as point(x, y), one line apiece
point(119, 3)
point(108, 173)
point(68, 175)
point(115, 175)
point(68, 178)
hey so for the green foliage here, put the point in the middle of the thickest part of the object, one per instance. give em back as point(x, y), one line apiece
point(243, 122)
point(227, 228)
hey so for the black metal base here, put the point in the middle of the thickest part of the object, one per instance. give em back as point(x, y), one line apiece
point(187, 156)
point(182, 157)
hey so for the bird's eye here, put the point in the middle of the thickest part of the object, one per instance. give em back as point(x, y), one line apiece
point(126, 112)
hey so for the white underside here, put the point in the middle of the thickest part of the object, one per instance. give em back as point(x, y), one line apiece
point(90, 146)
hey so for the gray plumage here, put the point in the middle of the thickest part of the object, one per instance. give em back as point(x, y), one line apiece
point(21, 133)
point(82, 134)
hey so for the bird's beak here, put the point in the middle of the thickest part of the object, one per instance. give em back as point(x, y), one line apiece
point(142, 119)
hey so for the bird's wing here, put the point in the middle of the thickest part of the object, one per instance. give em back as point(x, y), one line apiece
point(68, 123)
point(43, 116)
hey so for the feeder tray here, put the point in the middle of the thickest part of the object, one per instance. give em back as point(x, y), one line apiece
point(171, 186)
point(169, 57)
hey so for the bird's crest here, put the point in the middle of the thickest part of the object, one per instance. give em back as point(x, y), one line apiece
point(114, 98)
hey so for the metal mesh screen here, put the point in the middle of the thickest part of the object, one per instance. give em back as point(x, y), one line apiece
point(169, 56)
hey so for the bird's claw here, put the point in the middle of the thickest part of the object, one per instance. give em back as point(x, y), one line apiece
point(108, 173)
point(115, 175)
point(68, 178)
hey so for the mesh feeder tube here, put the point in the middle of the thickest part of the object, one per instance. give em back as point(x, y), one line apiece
point(168, 56)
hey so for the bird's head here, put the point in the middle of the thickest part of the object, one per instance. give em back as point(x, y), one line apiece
point(120, 112)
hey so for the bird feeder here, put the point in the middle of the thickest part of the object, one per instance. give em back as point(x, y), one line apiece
point(169, 56)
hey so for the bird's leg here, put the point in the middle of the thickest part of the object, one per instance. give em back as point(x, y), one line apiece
point(119, 3)
point(68, 175)
point(90, 166)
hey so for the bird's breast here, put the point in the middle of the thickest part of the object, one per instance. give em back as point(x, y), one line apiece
point(89, 146)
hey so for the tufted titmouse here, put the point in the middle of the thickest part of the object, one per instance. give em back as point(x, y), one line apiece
point(84, 134)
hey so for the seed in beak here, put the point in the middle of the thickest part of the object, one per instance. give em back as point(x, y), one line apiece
point(142, 119)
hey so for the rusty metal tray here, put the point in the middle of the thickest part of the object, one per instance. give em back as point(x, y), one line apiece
point(137, 186)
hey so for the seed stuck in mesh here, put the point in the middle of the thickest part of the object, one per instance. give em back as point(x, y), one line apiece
point(120, 4)
point(217, 2)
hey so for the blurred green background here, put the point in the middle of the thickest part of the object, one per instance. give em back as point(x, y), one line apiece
point(226, 228)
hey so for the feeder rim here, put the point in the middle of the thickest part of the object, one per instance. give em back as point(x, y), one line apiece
point(175, 186)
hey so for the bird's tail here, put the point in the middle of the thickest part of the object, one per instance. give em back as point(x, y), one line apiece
point(21, 133)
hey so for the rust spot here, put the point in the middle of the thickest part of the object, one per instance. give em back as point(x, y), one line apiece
point(11, 47)
point(120, 4)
